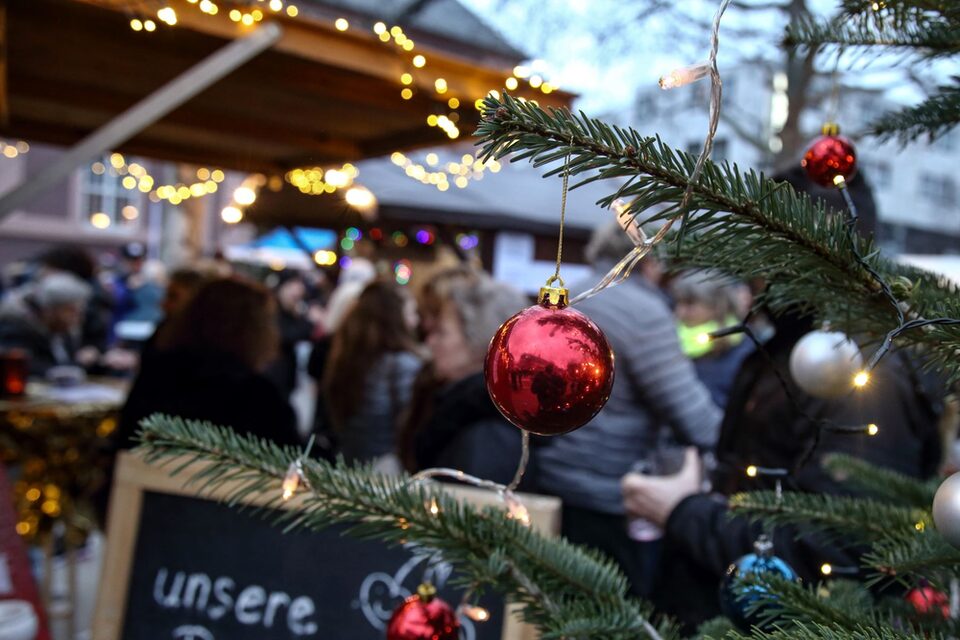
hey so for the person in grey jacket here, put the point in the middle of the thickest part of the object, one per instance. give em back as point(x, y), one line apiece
point(368, 378)
point(656, 397)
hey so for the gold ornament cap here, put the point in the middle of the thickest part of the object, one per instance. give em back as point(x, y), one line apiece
point(553, 297)
point(426, 592)
point(830, 129)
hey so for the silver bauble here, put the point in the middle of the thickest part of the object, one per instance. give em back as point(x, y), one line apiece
point(823, 363)
point(946, 510)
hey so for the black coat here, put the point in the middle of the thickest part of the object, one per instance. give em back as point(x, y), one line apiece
point(207, 385)
point(465, 431)
point(761, 426)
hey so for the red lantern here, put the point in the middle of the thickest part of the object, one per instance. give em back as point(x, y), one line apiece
point(549, 369)
point(423, 616)
point(829, 156)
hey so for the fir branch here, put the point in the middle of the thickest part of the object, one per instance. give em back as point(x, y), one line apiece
point(852, 520)
point(744, 224)
point(925, 553)
point(774, 598)
point(799, 630)
point(934, 117)
point(883, 484)
point(921, 33)
point(562, 587)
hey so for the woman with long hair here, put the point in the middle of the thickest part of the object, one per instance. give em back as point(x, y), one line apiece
point(370, 371)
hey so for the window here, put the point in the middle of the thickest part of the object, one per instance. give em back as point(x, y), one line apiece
point(938, 189)
point(104, 201)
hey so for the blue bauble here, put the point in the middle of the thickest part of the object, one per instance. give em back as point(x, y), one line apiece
point(761, 562)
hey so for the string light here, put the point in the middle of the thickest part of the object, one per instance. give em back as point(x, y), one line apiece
point(684, 75)
point(100, 220)
point(475, 613)
point(341, 24)
point(136, 24)
point(13, 150)
point(511, 83)
point(752, 471)
point(167, 15)
point(316, 180)
point(826, 569)
point(292, 11)
point(872, 429)
point(419, 61)
point(459, 172)
point(434, 507)
point(291, 481)
point(149, 25)
point(861, 379)
point(231, 215)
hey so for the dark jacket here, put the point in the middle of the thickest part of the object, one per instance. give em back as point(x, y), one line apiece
point(21, 328)
point(465, 431)
point(207, 385)
point(717, 371)
point(762, 427)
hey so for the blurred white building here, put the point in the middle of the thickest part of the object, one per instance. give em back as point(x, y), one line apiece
point(916, 187)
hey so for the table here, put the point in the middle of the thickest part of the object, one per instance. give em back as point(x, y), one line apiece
point(56, 442)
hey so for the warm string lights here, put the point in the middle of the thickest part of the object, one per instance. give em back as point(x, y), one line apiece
point(244, 196)
point(441, 175)
point(294, 478)
point(317, 180)
point(13, 149)
point(137, 178)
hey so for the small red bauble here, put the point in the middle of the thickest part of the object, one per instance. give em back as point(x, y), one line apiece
point(549, 368)
point(423, 617)
point(829, 156)
point(927, 601)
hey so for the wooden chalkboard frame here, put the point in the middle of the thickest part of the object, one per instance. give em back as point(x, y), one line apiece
point(134, 476)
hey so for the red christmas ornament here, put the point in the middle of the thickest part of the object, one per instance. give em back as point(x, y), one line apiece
point(549, 369)
point(829, 156)
point(927, 601)
point(423, 616)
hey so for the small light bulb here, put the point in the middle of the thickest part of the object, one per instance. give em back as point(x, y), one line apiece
point(136, 24)
point(752, 471)
point(861, 379)
point(379, 28)
point(703, 338)
point(511, 83)
point(440, 85)
point(477, 614)
point(291, 481)
point(684, 75)
point(872, 429)
point(419, 61)
point(826, 569)
point(406, 93)
point(434, 507)
point(341, 24)
point(920, 526)
point(839, 180)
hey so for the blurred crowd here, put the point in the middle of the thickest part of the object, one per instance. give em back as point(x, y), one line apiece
point(399, 385)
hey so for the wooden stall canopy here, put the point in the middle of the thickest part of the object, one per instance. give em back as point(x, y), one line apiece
point(319, 96)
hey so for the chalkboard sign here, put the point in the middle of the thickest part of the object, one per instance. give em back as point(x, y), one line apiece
point(183, 567)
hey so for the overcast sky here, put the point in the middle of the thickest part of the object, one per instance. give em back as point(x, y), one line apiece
point(596, 48)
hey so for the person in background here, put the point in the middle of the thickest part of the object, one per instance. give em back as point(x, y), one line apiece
point(452, 421)
point(706, 302)
point(99, 313)
point(210, 364)
point(182, 285)
point(764, 426)
point(294, 327)
point(45, 319)
point(369, 374)
point(656, 397)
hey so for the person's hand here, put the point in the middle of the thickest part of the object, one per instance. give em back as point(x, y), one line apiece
point(655, 497)
point(120, 359)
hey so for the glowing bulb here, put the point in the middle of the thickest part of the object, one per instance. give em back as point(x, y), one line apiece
point(22, 146)
point(432, 120)
point(920, 526)
point(100, 220)
point(441, 85)
point(703, 338)
point(336, 178)
point(432, 159)
point(292, 11)
point(136, 25)
point(129, 212)
point(379, 28)
point(872, 429)
point(291, 481)
point(217, 175)
point(149, 25)
point(10, 151)
point(244, 195)
point(434, 507)
point(235, 15)
point(360, 198)
point(477, 614)
point(419, 61)
point(684, 75)
point(861, 379)
point(520, 71)
point(396, 31)
point(511, 83)
point(168, 15)
point(752, 471)
point(839, 181)
point(826, 569)
point(341, 24)
point(276, 5)
point(231, 215)
point(128, 182)
point(247, 19)
point(453, 103)
point(406, 78)
point(535, 81)
point(406, 93)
